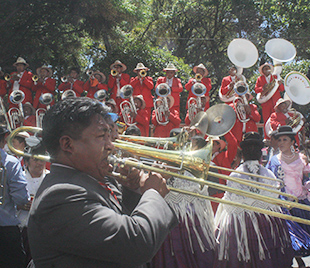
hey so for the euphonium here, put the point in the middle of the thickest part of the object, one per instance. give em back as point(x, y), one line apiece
point(114, 72)
point(194, 104)
point(69, 93)
point(296, 119)
point(161, 104)
point(45, 99)
point(100, 94)
point(127, 106)
point(143, 73)
point(241, 88)
point(3, 111)
point(15, 114)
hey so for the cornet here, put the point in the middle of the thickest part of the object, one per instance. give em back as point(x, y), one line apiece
point(194, 104)
point(114, 72)
point(143, 73)
point(198, 77)
point(127, 106)
point(7, 77)
point(35, 78)
point(161, 104)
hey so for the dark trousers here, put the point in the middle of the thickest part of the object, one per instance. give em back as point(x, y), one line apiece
point(12, 253)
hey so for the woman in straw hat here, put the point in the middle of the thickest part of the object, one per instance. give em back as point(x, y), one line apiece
point(172, 116)
point(201, 73)
point(247, 238)
point(173, 82)
point(143, 85)
point(45, 84)
point(21, 80)
point(262, 83)
point(117, 79)
point(95, 83)
point(291, 167)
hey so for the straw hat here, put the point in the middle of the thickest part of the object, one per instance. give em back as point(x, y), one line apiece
point(20, 60)
point(171, 100)
point(170, 67)
point(260, 69)
point(218, 139)
point(279, 101)
point(140, 97)
point(206, 72)
point(103, 77)
point(140, 66)
point(118, 62)
point(50, 72)
point(251, 138)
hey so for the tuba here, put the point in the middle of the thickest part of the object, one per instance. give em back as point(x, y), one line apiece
point(127, 106)
point(15, 114)
point(161, 104)
point(280, 50)
point(45, 99)
point(243, 54)
point(241, 88)
point(194, 104)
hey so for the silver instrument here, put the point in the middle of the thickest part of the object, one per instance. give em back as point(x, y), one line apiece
point(127, 106)
point(161, 104)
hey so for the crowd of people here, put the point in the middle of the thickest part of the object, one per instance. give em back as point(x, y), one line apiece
point(76, 212)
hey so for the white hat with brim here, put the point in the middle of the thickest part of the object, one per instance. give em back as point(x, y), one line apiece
point(140, 97)
point(201, 66)
point(140, 66)
point(118, 62)
point(218, 139)
point(279, 101)
point(102, 75)
point(20, 60)
point(171, 100)
point(50, 72)
point(260, 69)
point(170, 67)
point(112, 102)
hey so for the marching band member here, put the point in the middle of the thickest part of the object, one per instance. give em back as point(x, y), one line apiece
point(203, 106)
point(72, 82)
point(173, 82)
point(247, 238)
point(112, 104)
point(141, 117)
point(117, 79)
point(228, 82)
point(173, 117)
point(223, 158)
point(200, 72)
point(262, 84)
point(252, 117)
point(21, 80)
point(3, 84)
point(143, 85)
point(44, 84)
point(95, 83)
point(29, 115)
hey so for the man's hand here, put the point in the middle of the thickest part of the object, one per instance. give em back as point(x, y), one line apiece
point(154, 181)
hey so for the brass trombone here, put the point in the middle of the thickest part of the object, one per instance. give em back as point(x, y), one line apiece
point(197, 163)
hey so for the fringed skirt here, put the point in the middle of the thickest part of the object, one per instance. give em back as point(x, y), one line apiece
point(250, 239)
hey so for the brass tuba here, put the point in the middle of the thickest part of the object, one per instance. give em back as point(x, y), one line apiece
point(161, 103)
point(127, 106)
point(194, 104)
point(243, 54)
point(280, 50)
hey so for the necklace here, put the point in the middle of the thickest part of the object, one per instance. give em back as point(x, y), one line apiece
point(288, 157)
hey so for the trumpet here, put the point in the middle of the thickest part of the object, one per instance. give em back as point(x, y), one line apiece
point(114, 72)
point(161, 104)
point(198, 77)
point(241, 88)
point(194, 104)
point(127, 106)
point(196, 162)
point(143, 73)
point(64, 79)
point(7, 77)
point(35, 78)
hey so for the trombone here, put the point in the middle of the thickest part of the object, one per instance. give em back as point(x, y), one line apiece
point(197, 162)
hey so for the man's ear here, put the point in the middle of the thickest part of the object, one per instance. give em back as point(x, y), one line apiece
point(66, 144)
